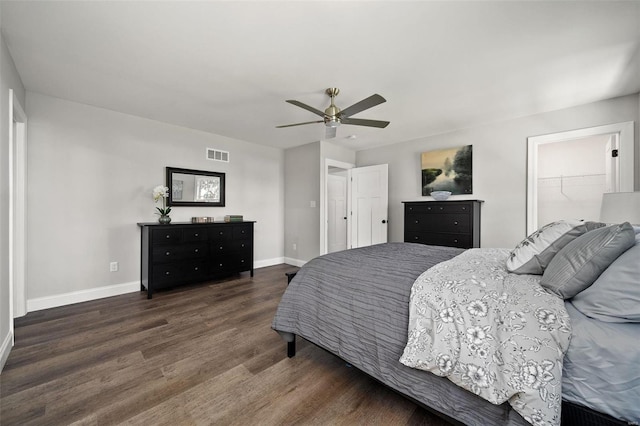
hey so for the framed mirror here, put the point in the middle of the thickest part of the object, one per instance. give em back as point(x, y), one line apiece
point(195, 188)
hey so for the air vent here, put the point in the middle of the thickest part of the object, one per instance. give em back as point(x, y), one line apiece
point(217, 155)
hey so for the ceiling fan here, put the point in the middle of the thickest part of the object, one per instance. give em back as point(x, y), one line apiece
point(334, 117)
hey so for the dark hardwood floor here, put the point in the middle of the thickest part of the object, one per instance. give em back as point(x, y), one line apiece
point(195, 355)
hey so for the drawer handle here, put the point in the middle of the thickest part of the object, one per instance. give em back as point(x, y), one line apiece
point(464, 208)
point(196, 250)
point(428, 208)
point(417, 221)
point(167, 273)
point(455, 241)
point(195, 269)
point(242, 245)
point(455, 222)
point(220, 247)
point(221, 232)
point(441, 208)
point(415, 238)
point(168, 253)
point(168, 236)
point(242, 261)
point(196, 234)
point(221, 264)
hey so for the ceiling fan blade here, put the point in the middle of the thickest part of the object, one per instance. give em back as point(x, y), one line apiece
point(363, 122)
point(330, 133)
point(305, 106)
point(299, 124)
point(367, 103)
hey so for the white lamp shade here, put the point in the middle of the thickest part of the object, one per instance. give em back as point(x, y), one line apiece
point(618, 207)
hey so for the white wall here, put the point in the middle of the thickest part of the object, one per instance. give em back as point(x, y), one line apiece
point(302, 176)
point(9, 79)
point(91, 173)
point(499, 164)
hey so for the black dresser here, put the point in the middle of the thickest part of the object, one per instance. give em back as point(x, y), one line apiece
point(183, 253)
point(443, 223)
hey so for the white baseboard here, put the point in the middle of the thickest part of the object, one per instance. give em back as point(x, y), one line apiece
point(81, 296)
point(294, 262)
point(41, 303)
point(268, 262)
point(5, 349)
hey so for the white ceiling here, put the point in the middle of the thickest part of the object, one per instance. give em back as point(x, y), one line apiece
point(227, 67)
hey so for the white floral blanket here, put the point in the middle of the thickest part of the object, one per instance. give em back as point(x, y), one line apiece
point(496, 334)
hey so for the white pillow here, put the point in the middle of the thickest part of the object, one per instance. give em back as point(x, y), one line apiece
point(534, 253)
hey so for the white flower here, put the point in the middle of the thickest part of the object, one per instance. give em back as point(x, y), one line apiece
point(160, 191)
point(478, 308)
point(545, 317)
point(476, 335)
point(477, 376)
point(446, 315)
point(444, 363)
point(535, 375)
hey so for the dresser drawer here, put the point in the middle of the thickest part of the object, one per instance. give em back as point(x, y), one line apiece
point(222, 264)
point(221, 247)
point(244, 261)
point(241, 245)
point(195, 234)
point(166, 236)
point(166, 275)
point(220, 233)
point(241, 232)
point(195, 250)
point(195, 271)
point(436, 239)
point(171, 253)
point(457, 223)
point(438, 208)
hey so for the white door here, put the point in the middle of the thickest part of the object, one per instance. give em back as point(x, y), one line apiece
point(369, 202)
point(336, 212)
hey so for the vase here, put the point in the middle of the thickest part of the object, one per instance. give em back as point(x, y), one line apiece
point(164, 219)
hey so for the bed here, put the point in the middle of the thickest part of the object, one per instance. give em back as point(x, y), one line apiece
point(358, 305)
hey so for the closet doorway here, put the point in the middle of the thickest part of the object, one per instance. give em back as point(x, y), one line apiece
point(568, 172)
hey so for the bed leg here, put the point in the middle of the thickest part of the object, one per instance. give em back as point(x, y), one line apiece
point(291, 348)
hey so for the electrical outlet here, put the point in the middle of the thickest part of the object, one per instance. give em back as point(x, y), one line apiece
point(295, 246)
point(113, 267)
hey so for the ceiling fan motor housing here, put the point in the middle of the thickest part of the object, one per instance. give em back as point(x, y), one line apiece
point(331, 118)
point(334, 117)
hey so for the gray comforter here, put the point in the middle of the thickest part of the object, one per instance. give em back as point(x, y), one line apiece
point(356, 305)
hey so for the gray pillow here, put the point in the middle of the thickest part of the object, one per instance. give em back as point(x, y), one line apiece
point(615, 295)
point(578, 264)
point(533, 254)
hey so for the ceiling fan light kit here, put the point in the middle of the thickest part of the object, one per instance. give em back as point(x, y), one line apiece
point(333, 117)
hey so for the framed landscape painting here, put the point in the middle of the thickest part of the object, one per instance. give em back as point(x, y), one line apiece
point(448, 170)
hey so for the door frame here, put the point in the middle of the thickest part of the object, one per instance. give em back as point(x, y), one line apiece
point(625, 132)
point(17, 207)
point(324, 229)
